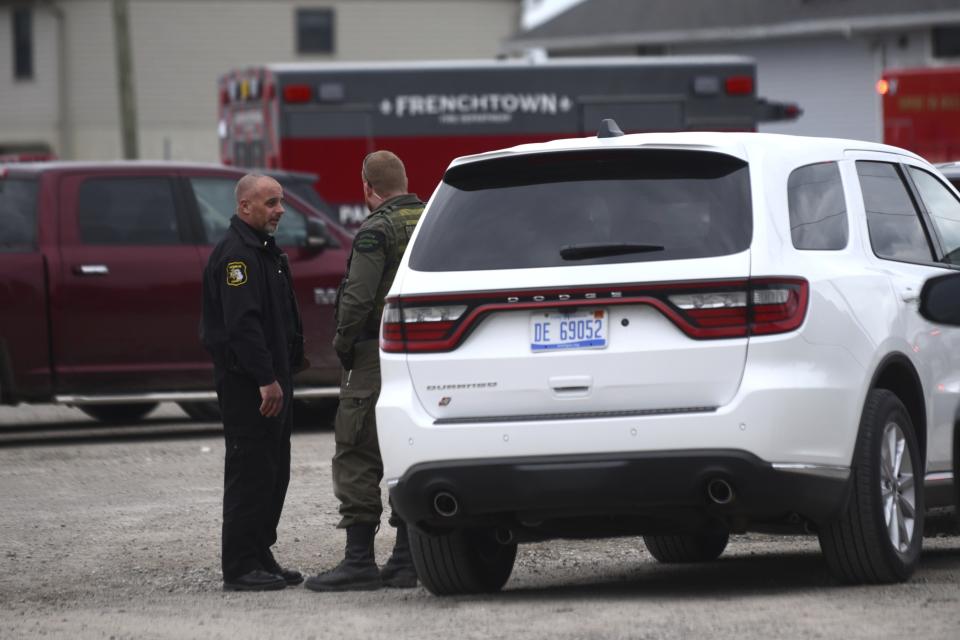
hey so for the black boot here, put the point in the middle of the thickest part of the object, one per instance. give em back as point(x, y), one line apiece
point(358, 569)
point(399, 571)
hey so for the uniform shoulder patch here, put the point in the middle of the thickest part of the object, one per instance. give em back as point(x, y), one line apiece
point(368, 240)
point(236, 273)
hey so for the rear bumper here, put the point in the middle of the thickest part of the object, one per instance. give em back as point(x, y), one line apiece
point(617, 493)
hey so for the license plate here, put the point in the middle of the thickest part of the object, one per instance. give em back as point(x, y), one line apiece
point(581, 329)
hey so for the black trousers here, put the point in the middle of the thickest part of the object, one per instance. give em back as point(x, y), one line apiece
point(256, 474)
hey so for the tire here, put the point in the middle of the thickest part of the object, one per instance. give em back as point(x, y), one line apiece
point(202, 411)
point(118, 413)
point(701, 547)
point(865, 545)
point(461, 562)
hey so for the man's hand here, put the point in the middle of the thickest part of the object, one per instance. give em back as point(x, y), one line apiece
point(346, 359)
point(272, 400)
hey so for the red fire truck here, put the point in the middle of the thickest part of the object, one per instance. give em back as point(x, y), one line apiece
point(921, 111)
point(323, 118)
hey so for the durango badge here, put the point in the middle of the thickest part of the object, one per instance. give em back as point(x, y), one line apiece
point(236, 274)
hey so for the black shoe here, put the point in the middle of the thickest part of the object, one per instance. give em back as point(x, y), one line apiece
point(399, 571)
point(347, 576)
point(256, 580)
point(398, 576)
point(291, 576)
point(358, 569)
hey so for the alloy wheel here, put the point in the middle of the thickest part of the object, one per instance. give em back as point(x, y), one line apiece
point(897, 487)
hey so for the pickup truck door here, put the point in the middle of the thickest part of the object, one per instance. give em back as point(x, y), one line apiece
point(126, 309)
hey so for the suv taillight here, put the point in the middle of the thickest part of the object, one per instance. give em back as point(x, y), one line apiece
point(702, 310)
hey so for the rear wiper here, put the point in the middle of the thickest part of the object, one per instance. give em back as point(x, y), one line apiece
point(596, 250)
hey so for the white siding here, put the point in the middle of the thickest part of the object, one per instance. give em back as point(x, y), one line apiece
point(29, 111)
point(832, 79)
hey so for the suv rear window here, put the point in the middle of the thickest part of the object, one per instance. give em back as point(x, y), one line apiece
point(18, 214)
point(586, 207)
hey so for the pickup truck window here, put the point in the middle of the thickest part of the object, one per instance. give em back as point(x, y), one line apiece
point(216, 203)
point(127, 211)
point(18, 215)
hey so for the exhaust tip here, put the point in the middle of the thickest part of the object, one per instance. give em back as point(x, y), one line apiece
point(503, 536)
point(719, 491)
point(445, 504)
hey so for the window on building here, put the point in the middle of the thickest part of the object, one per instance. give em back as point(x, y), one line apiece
point(315, 31)
point(946, 42)
point(22, 44)
point(818, 210)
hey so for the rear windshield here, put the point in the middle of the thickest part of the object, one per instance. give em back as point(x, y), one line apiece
point(18, 214)
point(586, 207)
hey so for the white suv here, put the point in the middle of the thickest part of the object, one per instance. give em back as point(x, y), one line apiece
point(680, 336)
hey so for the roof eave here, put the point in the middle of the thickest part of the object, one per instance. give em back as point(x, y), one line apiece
point(845, 27)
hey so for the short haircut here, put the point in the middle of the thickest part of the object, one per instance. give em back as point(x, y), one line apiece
point(384, 171)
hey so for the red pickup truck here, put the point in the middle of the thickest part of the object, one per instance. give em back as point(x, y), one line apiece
point(100, 270)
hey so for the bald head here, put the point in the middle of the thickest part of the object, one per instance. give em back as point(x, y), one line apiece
point(247, 186)
point(259, 201)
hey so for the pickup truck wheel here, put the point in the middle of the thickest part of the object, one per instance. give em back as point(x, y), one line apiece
point(118, 413)
point(462, 561)
point(202, 411)
point(878, 538)
point(700, 547)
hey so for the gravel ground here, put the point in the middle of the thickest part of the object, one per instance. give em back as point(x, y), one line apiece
point(115, 534)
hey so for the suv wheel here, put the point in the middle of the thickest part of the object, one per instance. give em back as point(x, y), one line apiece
point(879, 537)
point(699, 547)
point(118, 413)
point(461, 561)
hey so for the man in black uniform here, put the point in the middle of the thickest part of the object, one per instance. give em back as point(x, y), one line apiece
point(251, 326)
point(357, 468)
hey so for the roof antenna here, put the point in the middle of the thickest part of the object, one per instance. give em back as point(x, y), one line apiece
point(609, 129)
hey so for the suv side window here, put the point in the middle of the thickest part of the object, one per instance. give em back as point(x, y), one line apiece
point(944, 210)
point(18, 215)
point(132, 211)
point(896, 232)
point(217, 204)
point(818, 210)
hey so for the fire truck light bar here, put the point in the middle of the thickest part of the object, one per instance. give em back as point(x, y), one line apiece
point(297, 93)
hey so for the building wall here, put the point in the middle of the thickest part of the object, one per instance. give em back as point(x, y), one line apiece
point(29, 108)
point(180, 47)
point(832, 78)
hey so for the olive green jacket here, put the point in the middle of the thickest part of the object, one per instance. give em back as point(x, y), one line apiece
point(374, 259)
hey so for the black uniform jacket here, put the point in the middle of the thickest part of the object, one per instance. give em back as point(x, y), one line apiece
point(251, 322)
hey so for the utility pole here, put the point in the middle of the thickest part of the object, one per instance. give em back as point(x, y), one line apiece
point(128, 105)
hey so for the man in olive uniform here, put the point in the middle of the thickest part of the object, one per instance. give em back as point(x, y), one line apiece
point(357, 467)
point(251, 326)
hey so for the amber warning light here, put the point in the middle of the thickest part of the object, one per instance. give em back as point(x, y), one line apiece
point(887, 87)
